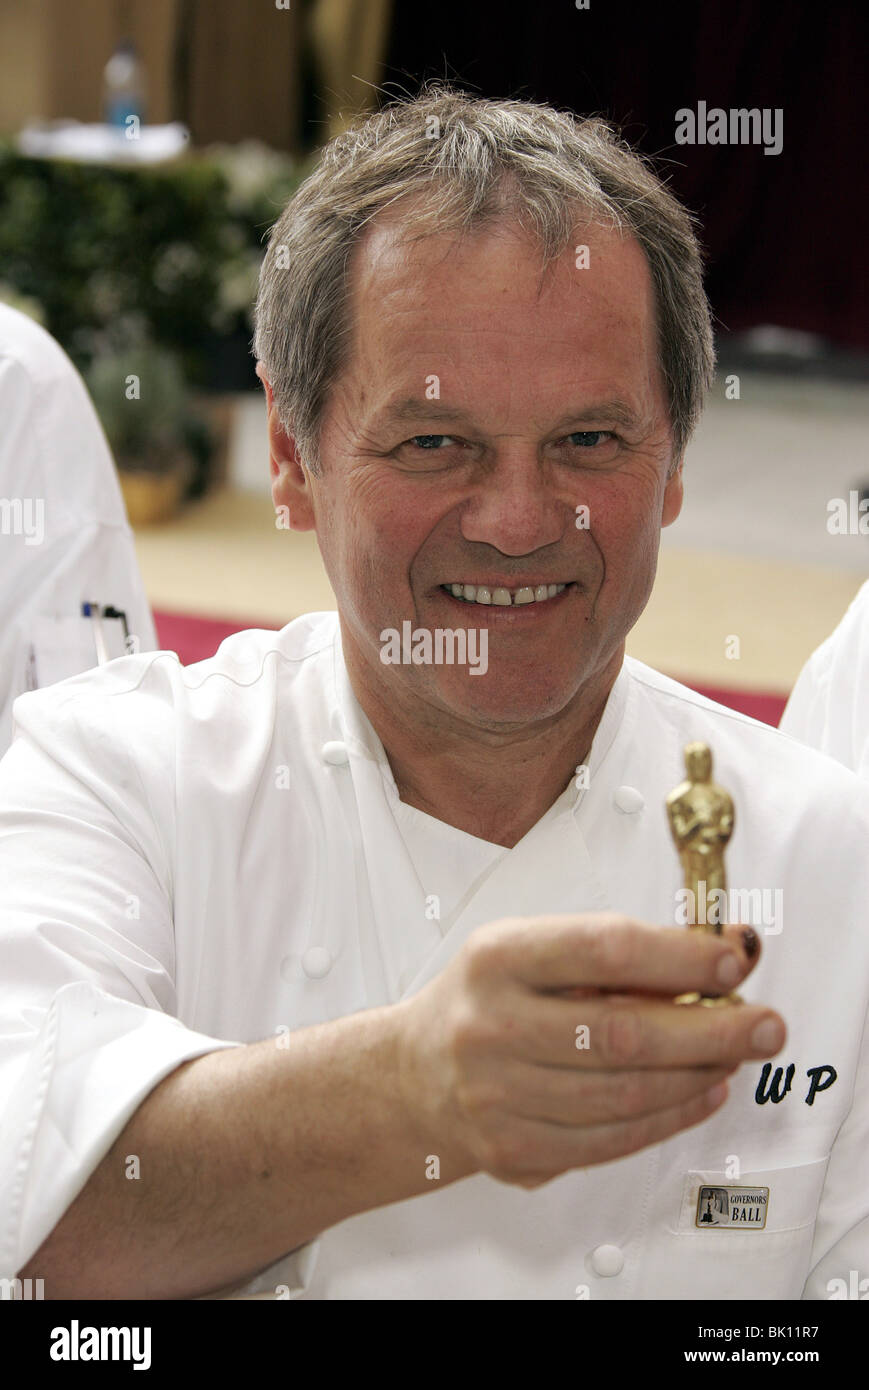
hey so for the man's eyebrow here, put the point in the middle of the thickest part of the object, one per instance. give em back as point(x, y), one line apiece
point(412, 408)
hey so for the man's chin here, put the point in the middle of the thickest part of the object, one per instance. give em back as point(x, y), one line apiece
point(499, 702)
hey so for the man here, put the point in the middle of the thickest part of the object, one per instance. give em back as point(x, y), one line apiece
point(827, 706)
point(345, 976)
point(64, 539)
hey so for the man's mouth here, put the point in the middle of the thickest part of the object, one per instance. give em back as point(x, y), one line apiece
point(496, 596)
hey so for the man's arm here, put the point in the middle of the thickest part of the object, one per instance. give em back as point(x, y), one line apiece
point(244, 1155)
point(249, 1153)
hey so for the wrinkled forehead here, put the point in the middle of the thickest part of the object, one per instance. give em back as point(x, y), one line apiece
point(485, 301)
point(499, 264)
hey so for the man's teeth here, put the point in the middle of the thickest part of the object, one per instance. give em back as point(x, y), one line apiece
point(504, 598)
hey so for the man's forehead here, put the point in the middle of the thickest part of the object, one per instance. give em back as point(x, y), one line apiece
point(465, 303)
point(393, 249)
point(495, 278)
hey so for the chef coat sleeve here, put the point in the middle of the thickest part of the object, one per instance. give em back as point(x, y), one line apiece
point(828, 705)
point(805, 714)
point(87, 952)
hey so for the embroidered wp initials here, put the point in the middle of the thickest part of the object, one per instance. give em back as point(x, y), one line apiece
point(776, 1092)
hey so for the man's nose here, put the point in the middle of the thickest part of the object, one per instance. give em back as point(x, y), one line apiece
point(516, 506)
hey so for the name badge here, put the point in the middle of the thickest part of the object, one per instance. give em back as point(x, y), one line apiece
point(733, 1208)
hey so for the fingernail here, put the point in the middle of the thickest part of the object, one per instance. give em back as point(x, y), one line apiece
point(717, 1094)
point(729, 970)
point(750, 943)
point(767, 1036)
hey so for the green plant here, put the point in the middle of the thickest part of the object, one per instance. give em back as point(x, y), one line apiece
point(146, 272)
point(120, 257)
point(143, 403)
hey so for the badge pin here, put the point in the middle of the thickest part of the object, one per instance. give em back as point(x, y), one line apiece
point(732, 1208)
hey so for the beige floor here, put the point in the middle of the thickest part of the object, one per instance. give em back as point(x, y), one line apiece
point(223, 557)
point(780, 613)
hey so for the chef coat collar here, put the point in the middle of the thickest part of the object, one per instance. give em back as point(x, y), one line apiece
point(363, 741)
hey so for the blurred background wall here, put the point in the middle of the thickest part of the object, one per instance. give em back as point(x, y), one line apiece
point(786, 233)
point(230, 69)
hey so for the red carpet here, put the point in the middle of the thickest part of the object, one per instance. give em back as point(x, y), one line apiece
point(195, 639)
point(758, 704)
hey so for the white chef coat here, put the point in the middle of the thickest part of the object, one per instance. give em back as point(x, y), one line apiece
point(202, 856)
point(55, 463)
point(829, 705)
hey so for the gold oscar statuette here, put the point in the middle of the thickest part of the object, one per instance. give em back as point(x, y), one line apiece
point(701, 820)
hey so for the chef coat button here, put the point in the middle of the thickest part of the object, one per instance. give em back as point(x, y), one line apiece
point(607, 1260)
point(317, 961)
point(335, 752)
point(628, 799)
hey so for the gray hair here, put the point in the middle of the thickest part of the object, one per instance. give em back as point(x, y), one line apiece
point(461, 162)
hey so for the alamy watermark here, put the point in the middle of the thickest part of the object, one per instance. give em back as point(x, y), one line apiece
point(756, 907)
point(23, 516)
point(712, 125)
point(21, 1290)
point(854, 1288)
point(445, 646)
point(77, 1343)
point(848, 517)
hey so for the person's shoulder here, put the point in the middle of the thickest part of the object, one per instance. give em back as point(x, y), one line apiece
point(29, 345)
point(254, 654)
point(855, 617)
point(102, 714)
point(664, 693)
point(741, 743)
point(841, 650)
point(146, 694)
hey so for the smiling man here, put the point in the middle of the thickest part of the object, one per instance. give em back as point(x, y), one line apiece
point(341, 977)
point(549, 398)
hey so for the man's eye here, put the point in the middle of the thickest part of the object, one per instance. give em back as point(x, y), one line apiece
point(587, 439)
point(430, 441)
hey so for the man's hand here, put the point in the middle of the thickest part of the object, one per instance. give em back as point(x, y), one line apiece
point(491, 1060)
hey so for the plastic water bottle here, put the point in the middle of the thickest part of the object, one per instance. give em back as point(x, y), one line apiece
point(124, 87)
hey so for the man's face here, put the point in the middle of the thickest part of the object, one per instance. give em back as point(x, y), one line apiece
point(482, 407)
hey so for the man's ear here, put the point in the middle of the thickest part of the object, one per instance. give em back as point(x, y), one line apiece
point(291, 489)
point(673, 495)
point(261, 373)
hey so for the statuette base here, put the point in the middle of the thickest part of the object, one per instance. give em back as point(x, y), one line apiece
point(709, 1001)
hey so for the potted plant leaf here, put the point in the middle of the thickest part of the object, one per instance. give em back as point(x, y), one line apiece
point(142, 399)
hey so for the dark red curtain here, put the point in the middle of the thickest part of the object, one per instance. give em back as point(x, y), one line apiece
point(786, 234)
